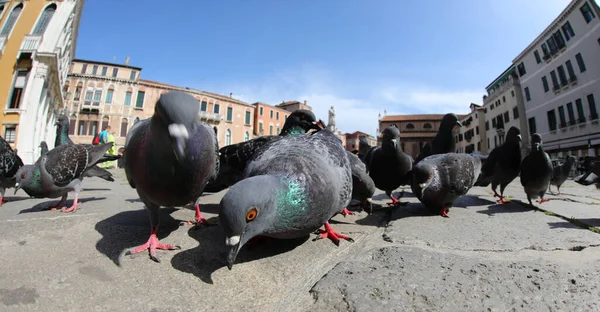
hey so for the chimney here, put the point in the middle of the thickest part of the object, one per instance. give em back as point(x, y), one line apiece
point(127, 60)
point(231, 94)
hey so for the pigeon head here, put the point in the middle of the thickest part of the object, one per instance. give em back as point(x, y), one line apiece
point(425, 176)
point(177, 111)
point(301, 121)
point(62, 121)
point(513, 135)
point(571, 160)
point(536, 141)
point(449, 121)
point(23, 177)
point(391, 135)
point(249, 209)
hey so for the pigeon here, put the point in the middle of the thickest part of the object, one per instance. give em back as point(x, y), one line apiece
point(60, 171)
point(561, 173)
point(233, 157)
point(43, 148)
point(536, 171)
point(592, 175)
point(290, 188)
point(169, 158)
point(10, 163)
point(388, 166)
point(443, 142)
point(503, 164)
point(62, 137)
point(363, 186)
point(439, 180)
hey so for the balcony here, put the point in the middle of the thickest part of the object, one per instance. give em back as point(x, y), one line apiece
point(573, 80)
point(30, 43)
point(210, 116)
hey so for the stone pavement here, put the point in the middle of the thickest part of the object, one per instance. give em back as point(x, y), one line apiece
point(484, 257)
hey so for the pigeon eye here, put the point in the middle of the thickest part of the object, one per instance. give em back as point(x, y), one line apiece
point(430, 176)
point(22, 176)
point(251, 215)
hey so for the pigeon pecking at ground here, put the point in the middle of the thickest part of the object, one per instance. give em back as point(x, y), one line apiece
point(561, 173)
point(536, 171)
point(10, 163)
point(439, 180)
point(61, 171)
point(169, 158)
point(443, 142)
point(62, 138)
point(291, 187)
point(388, 165)
point(503, 164)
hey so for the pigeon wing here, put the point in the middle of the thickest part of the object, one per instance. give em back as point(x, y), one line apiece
point(66, 163)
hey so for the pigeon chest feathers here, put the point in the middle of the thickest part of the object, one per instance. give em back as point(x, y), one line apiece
point(291, 200)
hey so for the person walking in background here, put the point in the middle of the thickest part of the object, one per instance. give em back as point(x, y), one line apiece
point(112, 150)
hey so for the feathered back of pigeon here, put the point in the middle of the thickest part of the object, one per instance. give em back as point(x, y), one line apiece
point(65, 163)
point(10, 162)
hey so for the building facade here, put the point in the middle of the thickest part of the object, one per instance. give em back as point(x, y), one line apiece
point(415, 130)
point(98, 94)
point(352, 140)
point(37, 43)
point(559, 74)
point(268, 120)
point(503, 107)
point(292, 106)
point(470, 138)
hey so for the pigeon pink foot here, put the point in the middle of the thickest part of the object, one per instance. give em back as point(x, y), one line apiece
point(152, 245)
point(332, 235)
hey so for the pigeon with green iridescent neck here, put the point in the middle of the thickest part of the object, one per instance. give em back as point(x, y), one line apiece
point(10, 163)
point(233, 158)
point(290, 188)
point(60, 171)
point(62, 137)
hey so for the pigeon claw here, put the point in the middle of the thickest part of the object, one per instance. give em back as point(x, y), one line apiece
point(152, 245)
point(396, 203)
point(332, 235)
point(73, 208)
point(542, 200)
point(444, 212)
point(502, 201)
point(198, 219)
point(346, 212)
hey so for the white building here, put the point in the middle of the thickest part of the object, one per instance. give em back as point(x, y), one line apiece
point(469, 138)
point(40, 48)
point(559, 75)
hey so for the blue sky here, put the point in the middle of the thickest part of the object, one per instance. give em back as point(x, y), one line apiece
point(362, 57)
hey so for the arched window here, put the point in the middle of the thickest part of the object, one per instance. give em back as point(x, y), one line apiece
point(124, 125)
point(410, 126)
point(105, 121)
point(246, 136)
point(109, 94)
point(427, 126)
point(78, 90)
point(44, 20)
point(11, 20)
point(72, 123)
point(228, 137)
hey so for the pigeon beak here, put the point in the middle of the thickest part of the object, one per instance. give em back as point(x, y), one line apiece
point(232, 255)
point(520, 138)
point(368, 203)
point(17, 188)
point(179, 149)
point(459, 123)
point(537, 146)
point(319, 124)
point(395, 141)
point(179, 136)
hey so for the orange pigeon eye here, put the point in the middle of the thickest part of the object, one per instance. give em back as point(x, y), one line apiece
point(22, 176)
point(430, 175)
point(251, 214)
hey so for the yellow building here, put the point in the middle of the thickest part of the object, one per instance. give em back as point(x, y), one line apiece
point(37, 43)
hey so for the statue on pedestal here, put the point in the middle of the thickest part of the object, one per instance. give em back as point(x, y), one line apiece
point(331, 123)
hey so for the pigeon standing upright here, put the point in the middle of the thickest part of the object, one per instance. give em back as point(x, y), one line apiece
point(60, 171)
point(438, 180)
point(169, 158)
point(536, 171)
point(363, 187)
point(561, 173)
point(443, 142)
point(388, 165)
point(291, 187)
point(10, 163)
point(503, 164)
point(62, 137)
point(43, 148)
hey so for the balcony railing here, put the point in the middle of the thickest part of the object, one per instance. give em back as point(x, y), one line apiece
point(594, 117)
point(31, 43)
point(210, 116)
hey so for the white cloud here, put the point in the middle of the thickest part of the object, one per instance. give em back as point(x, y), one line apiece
point(322, 89)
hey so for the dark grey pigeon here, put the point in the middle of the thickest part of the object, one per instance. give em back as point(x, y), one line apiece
point(61, 171)
point(10, 163)
point(503, 164)
point(233, 158)
point(363, 186)
point(43, 148)
point(62, 138)
point(439, 180)
point(388, 165)
point(443, 142)
point(536, 171)
point(592, 174)
point(561, 173)
point(290, 188)
point(169, 158)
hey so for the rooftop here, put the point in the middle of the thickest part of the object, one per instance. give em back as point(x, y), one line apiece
point(106, 63)
point(416, 117)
